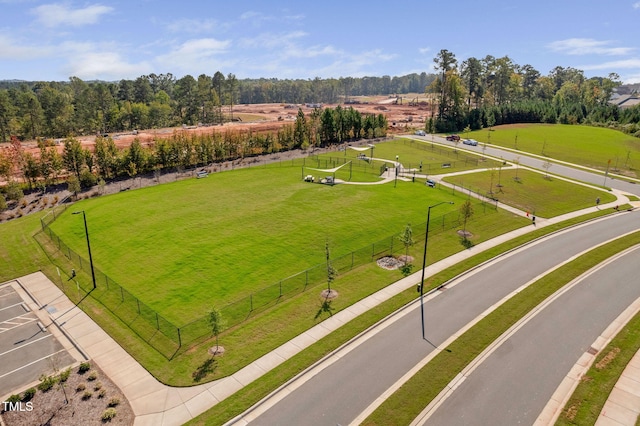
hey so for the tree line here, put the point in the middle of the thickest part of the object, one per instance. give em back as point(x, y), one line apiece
point(81, 167)
point(492, 91)
point(76, 107)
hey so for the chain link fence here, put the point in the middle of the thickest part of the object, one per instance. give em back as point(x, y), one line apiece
point(168, 338)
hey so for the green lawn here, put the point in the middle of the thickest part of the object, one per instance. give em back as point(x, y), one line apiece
point(532, 192)
point(209, 241)
point(204, 242)
point(588, 146)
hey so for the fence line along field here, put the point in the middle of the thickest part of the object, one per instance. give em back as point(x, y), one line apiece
point(186, 246)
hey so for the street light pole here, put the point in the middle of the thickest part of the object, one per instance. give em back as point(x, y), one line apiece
point(86, 233)
point(424, 262)
point(395, 182)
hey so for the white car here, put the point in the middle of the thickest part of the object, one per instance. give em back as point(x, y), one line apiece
point(421, 133)
point(471, 142)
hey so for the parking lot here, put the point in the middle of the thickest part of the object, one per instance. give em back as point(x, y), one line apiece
point(30, 345)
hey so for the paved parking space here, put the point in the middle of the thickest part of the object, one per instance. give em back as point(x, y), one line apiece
point(30, 345)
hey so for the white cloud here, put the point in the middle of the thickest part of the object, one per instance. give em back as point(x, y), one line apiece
point(58, 14)
point(271, 40)
point(91, 61)
point(424, 50)
point(587, 46)
point(194, 26)
point(195, 54)
point(625, 64)
point(636, 5)
point(11, 49)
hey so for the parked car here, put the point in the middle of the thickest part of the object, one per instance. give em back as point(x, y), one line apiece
point(421, 133)
point(430, 183)
point(471, 142)
point(453, 138)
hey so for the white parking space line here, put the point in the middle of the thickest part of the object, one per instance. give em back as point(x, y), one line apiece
point(23, 346)
point(24, 320)
point(31, 363)
point(10, 306)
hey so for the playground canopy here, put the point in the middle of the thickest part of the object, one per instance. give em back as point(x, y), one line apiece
point(332, 171)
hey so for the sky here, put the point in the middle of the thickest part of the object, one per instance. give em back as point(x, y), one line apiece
point(114, 40)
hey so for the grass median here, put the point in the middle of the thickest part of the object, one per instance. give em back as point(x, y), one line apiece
point(246, 397)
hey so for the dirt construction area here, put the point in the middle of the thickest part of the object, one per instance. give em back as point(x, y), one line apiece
point(404, 114)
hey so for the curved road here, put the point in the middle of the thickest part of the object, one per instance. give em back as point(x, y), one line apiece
point(516, 381)
point(345, 388)
point(535, 162)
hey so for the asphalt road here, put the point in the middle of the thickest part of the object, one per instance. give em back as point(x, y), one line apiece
point(515, 383)
point(559, 169)
point(338, 394)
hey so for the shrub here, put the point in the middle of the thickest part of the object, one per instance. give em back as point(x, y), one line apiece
point(97, 386)
point(87, 179)
point(86, 395)
point(23, 203)
point(84, 367)
point(28, 394)
point(108, 414)
point(55, 199)
point(14, 398)
point(64, 376)
point(14, 191)
point(102, 393)
point(3, 203)
point(80, 387)
point(46, 383)
point(114, 402)
point(92, 376)
point(44, 201)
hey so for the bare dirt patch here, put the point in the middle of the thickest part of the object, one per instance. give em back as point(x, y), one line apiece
point(606, 360)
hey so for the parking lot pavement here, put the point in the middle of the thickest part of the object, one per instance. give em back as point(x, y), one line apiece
point(30, 346)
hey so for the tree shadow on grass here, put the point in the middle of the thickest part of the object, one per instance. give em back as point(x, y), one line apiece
point(208, 366)
point(325, 308)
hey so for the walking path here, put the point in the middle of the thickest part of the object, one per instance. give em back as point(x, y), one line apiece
point(157, 404)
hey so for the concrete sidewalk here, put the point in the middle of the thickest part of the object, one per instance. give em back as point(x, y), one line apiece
point(157, 404)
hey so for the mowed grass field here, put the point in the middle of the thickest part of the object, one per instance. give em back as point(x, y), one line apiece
point(185, 246)
point(533, 192)
point(588, 146)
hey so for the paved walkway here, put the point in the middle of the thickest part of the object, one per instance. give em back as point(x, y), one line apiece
point(157, 404)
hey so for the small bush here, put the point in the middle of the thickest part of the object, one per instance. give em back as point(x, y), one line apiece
point(55, 199)
point(14, 398)
point(108, 414)
point(80, 387)
point(64, 376)
point(44, 201)
point(92, 376)
point(97, 386)
point(84, 367)
point(86, 395)
point(114, 402)
point(23, 203)
point(102, 393)
point(46, 383)
point(28, 394)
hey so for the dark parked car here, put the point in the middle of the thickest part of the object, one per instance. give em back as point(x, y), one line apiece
point(453, 138)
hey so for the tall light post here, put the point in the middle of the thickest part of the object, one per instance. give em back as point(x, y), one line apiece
point(424, 262)
point(86, 233)
point(395, 182)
